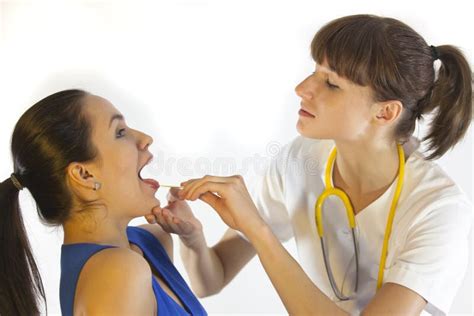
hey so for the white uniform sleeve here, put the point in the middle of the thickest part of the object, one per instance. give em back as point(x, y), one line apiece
point(268, 194)
point(435, 256)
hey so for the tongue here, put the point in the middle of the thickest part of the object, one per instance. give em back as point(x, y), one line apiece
point(152, 182)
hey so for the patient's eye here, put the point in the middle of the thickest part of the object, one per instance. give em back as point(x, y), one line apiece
point(120, 133)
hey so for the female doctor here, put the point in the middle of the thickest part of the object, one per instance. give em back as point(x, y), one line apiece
point(379, 227)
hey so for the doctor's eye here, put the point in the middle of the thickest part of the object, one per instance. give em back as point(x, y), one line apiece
point(120, 133)
point(330, 85)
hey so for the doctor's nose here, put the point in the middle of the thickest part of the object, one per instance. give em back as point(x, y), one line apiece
point(303, 90)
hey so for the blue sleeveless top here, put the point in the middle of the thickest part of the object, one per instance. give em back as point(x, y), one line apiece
point(74, 256)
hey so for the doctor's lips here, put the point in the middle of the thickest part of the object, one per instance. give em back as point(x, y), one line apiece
point(306, 113)
point(151, 182)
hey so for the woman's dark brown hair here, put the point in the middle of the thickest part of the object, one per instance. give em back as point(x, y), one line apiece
point(397, 63)
point(47, 138)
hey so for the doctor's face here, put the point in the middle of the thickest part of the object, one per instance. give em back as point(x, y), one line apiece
point(123, 152)
point(333, 107)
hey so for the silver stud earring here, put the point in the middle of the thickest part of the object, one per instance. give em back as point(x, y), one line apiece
point(97, 186)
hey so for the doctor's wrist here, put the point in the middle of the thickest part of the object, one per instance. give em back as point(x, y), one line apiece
point(194, 241)
point(254, 230)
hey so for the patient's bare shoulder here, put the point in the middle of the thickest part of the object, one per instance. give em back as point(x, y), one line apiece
point(115, 281)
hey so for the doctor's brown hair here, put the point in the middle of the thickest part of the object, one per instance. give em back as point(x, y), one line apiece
point(396, 62)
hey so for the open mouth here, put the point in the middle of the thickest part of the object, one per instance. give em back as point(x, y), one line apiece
point(151, 182)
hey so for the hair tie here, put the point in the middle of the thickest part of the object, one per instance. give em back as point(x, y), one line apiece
point(16, 182)
point(434, 52)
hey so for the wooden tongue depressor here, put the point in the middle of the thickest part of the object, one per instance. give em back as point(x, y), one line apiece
point(170, 186)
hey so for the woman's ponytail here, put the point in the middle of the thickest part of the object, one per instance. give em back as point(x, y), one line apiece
point(49, 136)
point(20, 281)
point(451, 97)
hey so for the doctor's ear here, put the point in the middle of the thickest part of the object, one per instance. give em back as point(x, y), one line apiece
point(388, 111)
point(81, 177)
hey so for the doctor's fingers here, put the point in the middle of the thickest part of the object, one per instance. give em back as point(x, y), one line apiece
point(177, 225)
point(212, 199)
point(191, 187)
point(173, 195)
point(161, 221)
point(185, 187)
point(217, 188)
point(170, 209)
point(169, 223)
point(150, 218)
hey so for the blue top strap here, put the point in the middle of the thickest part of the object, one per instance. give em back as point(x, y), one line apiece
point(74, 257)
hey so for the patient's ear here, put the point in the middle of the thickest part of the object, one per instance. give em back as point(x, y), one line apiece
point(80, 177)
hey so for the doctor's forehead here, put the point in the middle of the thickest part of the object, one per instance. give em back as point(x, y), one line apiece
point(324, 67)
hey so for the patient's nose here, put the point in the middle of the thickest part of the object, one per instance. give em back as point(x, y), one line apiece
point(145, 141)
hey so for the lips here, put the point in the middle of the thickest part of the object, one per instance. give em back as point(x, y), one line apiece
point(151, 182)
point(303, 112)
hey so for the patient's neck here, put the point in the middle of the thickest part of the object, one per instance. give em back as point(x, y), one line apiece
point(89, 228)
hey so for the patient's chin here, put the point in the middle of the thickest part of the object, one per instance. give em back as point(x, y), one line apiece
point(150, 203)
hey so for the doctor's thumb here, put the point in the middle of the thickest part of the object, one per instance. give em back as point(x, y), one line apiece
point(211, 199)
point(172, 195)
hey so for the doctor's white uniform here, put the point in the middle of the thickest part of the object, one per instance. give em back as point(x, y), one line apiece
point(428, 248)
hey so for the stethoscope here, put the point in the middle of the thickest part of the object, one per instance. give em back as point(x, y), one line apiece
point(330, 190)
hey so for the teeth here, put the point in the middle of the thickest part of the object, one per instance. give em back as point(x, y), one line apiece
point(146, 172)
point(140, 171)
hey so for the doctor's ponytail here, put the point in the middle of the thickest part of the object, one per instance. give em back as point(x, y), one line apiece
point(450, 101)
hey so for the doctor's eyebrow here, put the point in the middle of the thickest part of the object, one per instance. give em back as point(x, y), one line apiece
point(326, 70)
point(115, 117)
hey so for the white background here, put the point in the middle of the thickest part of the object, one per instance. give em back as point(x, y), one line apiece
point(211, 81)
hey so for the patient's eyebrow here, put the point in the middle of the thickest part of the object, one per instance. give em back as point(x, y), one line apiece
point(115, 117)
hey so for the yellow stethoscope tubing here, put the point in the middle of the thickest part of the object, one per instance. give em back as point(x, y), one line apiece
point(330, 190)
point(391, 215)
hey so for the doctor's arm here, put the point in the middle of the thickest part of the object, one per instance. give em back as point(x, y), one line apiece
point(230, 198)
point(209, 269)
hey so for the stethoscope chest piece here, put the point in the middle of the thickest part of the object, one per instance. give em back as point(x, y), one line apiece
point(319, 224)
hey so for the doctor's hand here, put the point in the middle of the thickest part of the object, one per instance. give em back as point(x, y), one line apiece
point(229, 197)
point(177, 218)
